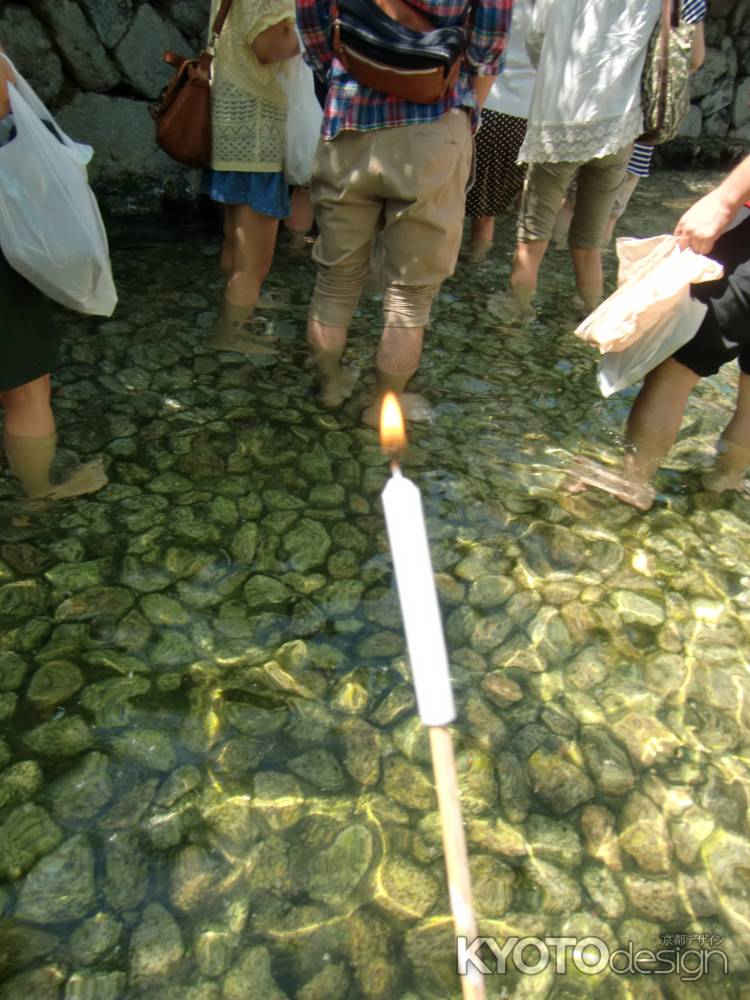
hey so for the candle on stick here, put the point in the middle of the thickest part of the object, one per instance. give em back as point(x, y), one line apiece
point(415, 582)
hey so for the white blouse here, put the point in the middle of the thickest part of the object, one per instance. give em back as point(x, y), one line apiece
point(587, 95)
point(512, 89)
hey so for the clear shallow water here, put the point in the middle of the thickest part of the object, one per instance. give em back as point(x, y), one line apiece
point(213, 782)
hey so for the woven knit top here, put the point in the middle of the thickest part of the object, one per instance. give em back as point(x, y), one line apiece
point(248, 107)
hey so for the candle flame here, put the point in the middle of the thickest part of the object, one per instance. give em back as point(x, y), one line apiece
point(392, 433)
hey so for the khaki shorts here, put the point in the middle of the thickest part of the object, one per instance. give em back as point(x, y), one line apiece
point(408, 181)
point(599, 182)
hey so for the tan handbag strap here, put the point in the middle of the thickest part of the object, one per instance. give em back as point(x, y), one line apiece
point(220, 19)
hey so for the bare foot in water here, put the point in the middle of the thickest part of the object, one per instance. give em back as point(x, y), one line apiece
point(87, 478)
point(335, 389)
point(413, 406)
point(584, 473)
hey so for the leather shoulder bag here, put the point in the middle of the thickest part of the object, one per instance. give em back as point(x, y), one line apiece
point(183, 112)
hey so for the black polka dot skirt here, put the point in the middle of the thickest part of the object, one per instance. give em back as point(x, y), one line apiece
point(498, 177)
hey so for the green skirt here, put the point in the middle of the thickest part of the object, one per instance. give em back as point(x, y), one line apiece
point(28, 339)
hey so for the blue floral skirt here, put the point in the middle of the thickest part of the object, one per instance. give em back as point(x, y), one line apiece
point(265, 192)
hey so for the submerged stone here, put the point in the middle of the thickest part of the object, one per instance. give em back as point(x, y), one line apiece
point(61, 886)
point(26, 834)
point(95, 938)
point(156, 946)
point(333, 874)
point(558, 781)
point(81, 792)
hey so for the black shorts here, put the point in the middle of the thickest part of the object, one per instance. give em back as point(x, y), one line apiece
point(29, 341)
point(725, 332)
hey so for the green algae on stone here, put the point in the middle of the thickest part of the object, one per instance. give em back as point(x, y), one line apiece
point(26, 834)
point(363, 748)
point(404, 889)
point(95, 938)
point(109, 701)
point(333, 874)
point(53, 683)
point(320, 768)
point(307, 545)
point(125, 880)
point(407, 784)
point(558, 781)
point(61, 885)
point(156, 946)
point(78, 794)
point(110, 602)
point(251, 978)
point(64, 737)
point(150, 748)
point(12, 671)
point(94, 985)
point(20, 782)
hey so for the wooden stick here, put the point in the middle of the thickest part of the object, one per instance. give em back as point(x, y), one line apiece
point(454, 848)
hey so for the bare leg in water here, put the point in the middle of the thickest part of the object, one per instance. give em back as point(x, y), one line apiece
point(246, 257)
point(733, 449)
point(652, 428)
point(30, 440)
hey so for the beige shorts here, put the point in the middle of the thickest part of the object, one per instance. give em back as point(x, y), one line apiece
point(599, 182)
point(408, 181)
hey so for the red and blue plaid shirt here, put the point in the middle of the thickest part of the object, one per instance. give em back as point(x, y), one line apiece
point(349, 105)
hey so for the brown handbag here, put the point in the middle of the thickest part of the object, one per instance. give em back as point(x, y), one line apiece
point(183, 113)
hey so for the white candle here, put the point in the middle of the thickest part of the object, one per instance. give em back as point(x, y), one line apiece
point(407, 536)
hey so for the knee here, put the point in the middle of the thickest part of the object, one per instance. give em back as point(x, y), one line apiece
point(408, 305)
point(27, 396)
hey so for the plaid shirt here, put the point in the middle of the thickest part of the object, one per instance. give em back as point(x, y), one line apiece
point(349, 105)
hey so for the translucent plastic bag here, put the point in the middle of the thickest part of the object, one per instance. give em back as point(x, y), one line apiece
point(303, 122)
point(654, 276)
point(51, 230)
point(620, 369)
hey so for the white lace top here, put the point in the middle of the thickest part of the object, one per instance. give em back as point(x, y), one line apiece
point(587, 96)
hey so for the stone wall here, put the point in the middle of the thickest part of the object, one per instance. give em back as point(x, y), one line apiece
point(97, 63)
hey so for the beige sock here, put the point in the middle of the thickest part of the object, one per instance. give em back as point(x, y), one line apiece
point(30, 459)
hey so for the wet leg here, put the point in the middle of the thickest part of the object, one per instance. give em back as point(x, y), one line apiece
point(733, 450)
point(327, 345)
point(589, 276)
point(525, 273)
point(396, 362)
point(655, 419)
point(252, 239)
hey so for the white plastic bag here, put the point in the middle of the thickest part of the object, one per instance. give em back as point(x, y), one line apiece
point(654, 277)
point(303, 121)
point(51, 230)
point(620, 369)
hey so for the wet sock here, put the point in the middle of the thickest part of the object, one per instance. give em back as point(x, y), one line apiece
point(30, 459)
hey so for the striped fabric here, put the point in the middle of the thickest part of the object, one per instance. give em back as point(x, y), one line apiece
point(349, 105)
point(693, 11)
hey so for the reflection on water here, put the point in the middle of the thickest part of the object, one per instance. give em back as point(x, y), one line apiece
point(213, 783)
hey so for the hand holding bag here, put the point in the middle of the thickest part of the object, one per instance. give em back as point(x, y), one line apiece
point(51, 230)
point(183, 113)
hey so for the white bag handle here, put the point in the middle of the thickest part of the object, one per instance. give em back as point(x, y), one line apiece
point(35, 104)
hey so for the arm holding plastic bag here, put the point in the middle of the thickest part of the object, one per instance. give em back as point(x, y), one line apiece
point(707, 219)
